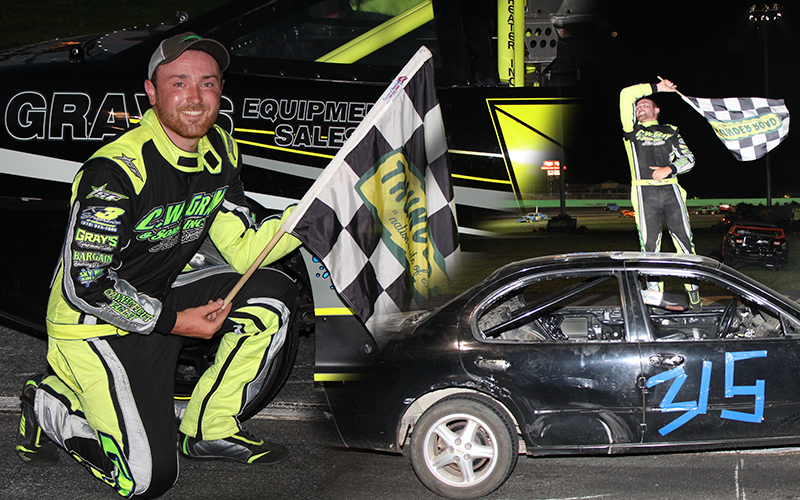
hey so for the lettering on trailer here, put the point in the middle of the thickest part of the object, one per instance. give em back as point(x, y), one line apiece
point(61, 116)
point(307, 123)
point(510, 41)
point(30, 116)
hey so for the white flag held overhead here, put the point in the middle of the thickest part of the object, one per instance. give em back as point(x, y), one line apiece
point(749, 127)
point(381, 216)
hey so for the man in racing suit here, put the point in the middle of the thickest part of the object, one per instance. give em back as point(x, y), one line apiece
point(120, 307)
point(656, 154)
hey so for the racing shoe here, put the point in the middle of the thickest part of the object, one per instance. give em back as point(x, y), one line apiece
point(241, 446)
point(32, 445)
point(694, 300)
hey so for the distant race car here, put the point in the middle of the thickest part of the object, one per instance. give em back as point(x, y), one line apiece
point(611, 207)
point(707, 210)
point(627, 213)
point(533, 217)
point(759, 243)
point(572, 354)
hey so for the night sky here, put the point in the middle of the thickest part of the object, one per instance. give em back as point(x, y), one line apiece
point(709, 49)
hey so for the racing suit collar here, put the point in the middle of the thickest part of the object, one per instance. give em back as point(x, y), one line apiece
point(649, 123)
point(185, 161)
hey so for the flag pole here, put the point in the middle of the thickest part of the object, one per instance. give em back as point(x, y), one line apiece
point(676, 90)
point(253, 267)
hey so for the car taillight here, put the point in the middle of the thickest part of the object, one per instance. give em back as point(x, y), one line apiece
point(739, 241)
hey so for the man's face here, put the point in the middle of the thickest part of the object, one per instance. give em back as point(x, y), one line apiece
point(646, 110)
point(186, 97)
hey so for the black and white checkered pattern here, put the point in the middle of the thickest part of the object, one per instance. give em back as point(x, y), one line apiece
point(741, 112)
point(351, 231)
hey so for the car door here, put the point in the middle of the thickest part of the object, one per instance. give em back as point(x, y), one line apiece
point(725, 373)
point(557, 346)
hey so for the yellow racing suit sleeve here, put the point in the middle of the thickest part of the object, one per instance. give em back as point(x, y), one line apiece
point(627, 103)
point(240, 239)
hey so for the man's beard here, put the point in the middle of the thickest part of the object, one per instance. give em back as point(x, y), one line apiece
point(195, 130)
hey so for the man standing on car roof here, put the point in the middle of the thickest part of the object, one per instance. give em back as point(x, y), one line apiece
point(121, 308)
point(657, 154)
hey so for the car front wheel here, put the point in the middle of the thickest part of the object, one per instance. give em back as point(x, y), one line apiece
point(464, 447)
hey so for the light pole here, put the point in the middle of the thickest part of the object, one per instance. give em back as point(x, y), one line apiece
point(764, 16)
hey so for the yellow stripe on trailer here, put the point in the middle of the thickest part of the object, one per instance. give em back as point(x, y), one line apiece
point(381, 35)
point(288, 150)
point(334, 311)
point(338, 377)
point(480, 179)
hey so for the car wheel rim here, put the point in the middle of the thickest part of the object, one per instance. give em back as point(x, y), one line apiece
point(460, 450)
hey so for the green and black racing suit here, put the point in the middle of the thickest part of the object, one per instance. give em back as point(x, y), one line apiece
point(656, 202)
point(140, 209)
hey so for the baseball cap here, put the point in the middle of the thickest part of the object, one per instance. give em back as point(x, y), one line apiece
point(171, 48)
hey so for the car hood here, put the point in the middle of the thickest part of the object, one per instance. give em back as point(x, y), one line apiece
point(79, 48)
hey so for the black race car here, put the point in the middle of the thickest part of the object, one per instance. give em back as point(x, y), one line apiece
point(571, 354)
point(752, 242)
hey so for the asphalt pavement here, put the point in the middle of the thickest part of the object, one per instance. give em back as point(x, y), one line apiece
point(321, 468)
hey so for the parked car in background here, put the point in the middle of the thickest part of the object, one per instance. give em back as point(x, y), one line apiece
point(752, 242)
point(731, 217)
point(572, 354)
point(533, 217)
point(707, 210)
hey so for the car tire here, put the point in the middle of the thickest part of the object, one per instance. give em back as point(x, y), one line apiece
point(449, 434)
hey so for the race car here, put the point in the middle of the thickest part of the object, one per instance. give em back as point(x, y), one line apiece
point(627, 214)
point(573, 354)
point(707, 210)
point(533, 217)
point(753, 242)
point(303, 75)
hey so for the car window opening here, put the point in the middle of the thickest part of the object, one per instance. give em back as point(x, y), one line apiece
point(724, 314)
point(557, 310)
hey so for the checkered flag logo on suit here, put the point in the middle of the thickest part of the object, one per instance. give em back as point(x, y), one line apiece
point(381, 216)
point(749, 127)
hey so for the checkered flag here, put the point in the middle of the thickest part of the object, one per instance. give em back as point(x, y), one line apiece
point(749, 127)
point(381, 216)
